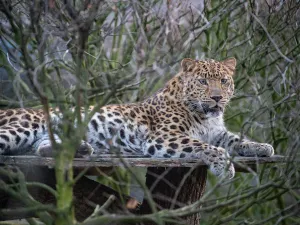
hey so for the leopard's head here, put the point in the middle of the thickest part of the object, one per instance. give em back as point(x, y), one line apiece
point(207, 85)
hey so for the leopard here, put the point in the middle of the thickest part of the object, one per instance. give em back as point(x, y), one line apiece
point(184, 119)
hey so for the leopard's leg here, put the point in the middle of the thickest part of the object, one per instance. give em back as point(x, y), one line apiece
point(43, 147)
point(176, 145)
point(234, 144)
point(115, 133)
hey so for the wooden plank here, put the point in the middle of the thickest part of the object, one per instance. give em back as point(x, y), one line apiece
point(108, 160)
point(18, 222)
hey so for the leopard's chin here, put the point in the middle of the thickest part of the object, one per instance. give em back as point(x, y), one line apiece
point(212, 111)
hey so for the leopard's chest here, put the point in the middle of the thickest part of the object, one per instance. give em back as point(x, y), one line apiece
point(207, 130)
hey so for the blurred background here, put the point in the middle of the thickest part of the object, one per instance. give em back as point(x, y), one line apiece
point(102, 52)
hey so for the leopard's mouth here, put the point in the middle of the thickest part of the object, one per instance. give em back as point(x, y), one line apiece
point(215, 111)
point(205, 109)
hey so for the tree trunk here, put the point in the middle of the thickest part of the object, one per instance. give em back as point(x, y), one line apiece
point(175, 187)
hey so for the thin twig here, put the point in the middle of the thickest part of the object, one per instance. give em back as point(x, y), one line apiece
point(271, 39)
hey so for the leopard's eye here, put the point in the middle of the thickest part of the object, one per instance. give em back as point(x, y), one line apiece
point(223, 81)
point(203, 81)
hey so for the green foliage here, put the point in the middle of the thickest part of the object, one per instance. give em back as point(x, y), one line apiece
point(122, 51)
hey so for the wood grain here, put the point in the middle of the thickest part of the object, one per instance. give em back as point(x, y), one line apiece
point(109, 160)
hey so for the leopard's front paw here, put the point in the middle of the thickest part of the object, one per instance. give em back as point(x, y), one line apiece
point(218, 161)
point(221, 169)
point(256, 149)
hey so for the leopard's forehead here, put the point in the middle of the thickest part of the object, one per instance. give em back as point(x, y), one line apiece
point(209, 68)
point(208, 62)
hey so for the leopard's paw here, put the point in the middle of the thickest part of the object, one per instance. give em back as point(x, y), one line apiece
point(223, 169)
point(44, 149)
point(85, 150)
point(265, 150)
point(218, 161)
point(251, 149)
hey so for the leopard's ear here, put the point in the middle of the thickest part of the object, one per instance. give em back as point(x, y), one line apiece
point(230, 63)
point(187, 64)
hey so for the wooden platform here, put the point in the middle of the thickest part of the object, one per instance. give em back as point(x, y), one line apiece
point(166, 179)
point(108, 160)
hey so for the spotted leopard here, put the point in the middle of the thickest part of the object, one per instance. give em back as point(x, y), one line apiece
point(182, 120)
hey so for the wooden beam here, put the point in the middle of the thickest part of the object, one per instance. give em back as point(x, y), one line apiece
point(108, 160)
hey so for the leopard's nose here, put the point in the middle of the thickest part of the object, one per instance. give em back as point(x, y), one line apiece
point(216, 98)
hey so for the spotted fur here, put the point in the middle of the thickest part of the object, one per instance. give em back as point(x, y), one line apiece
point(182, 120)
